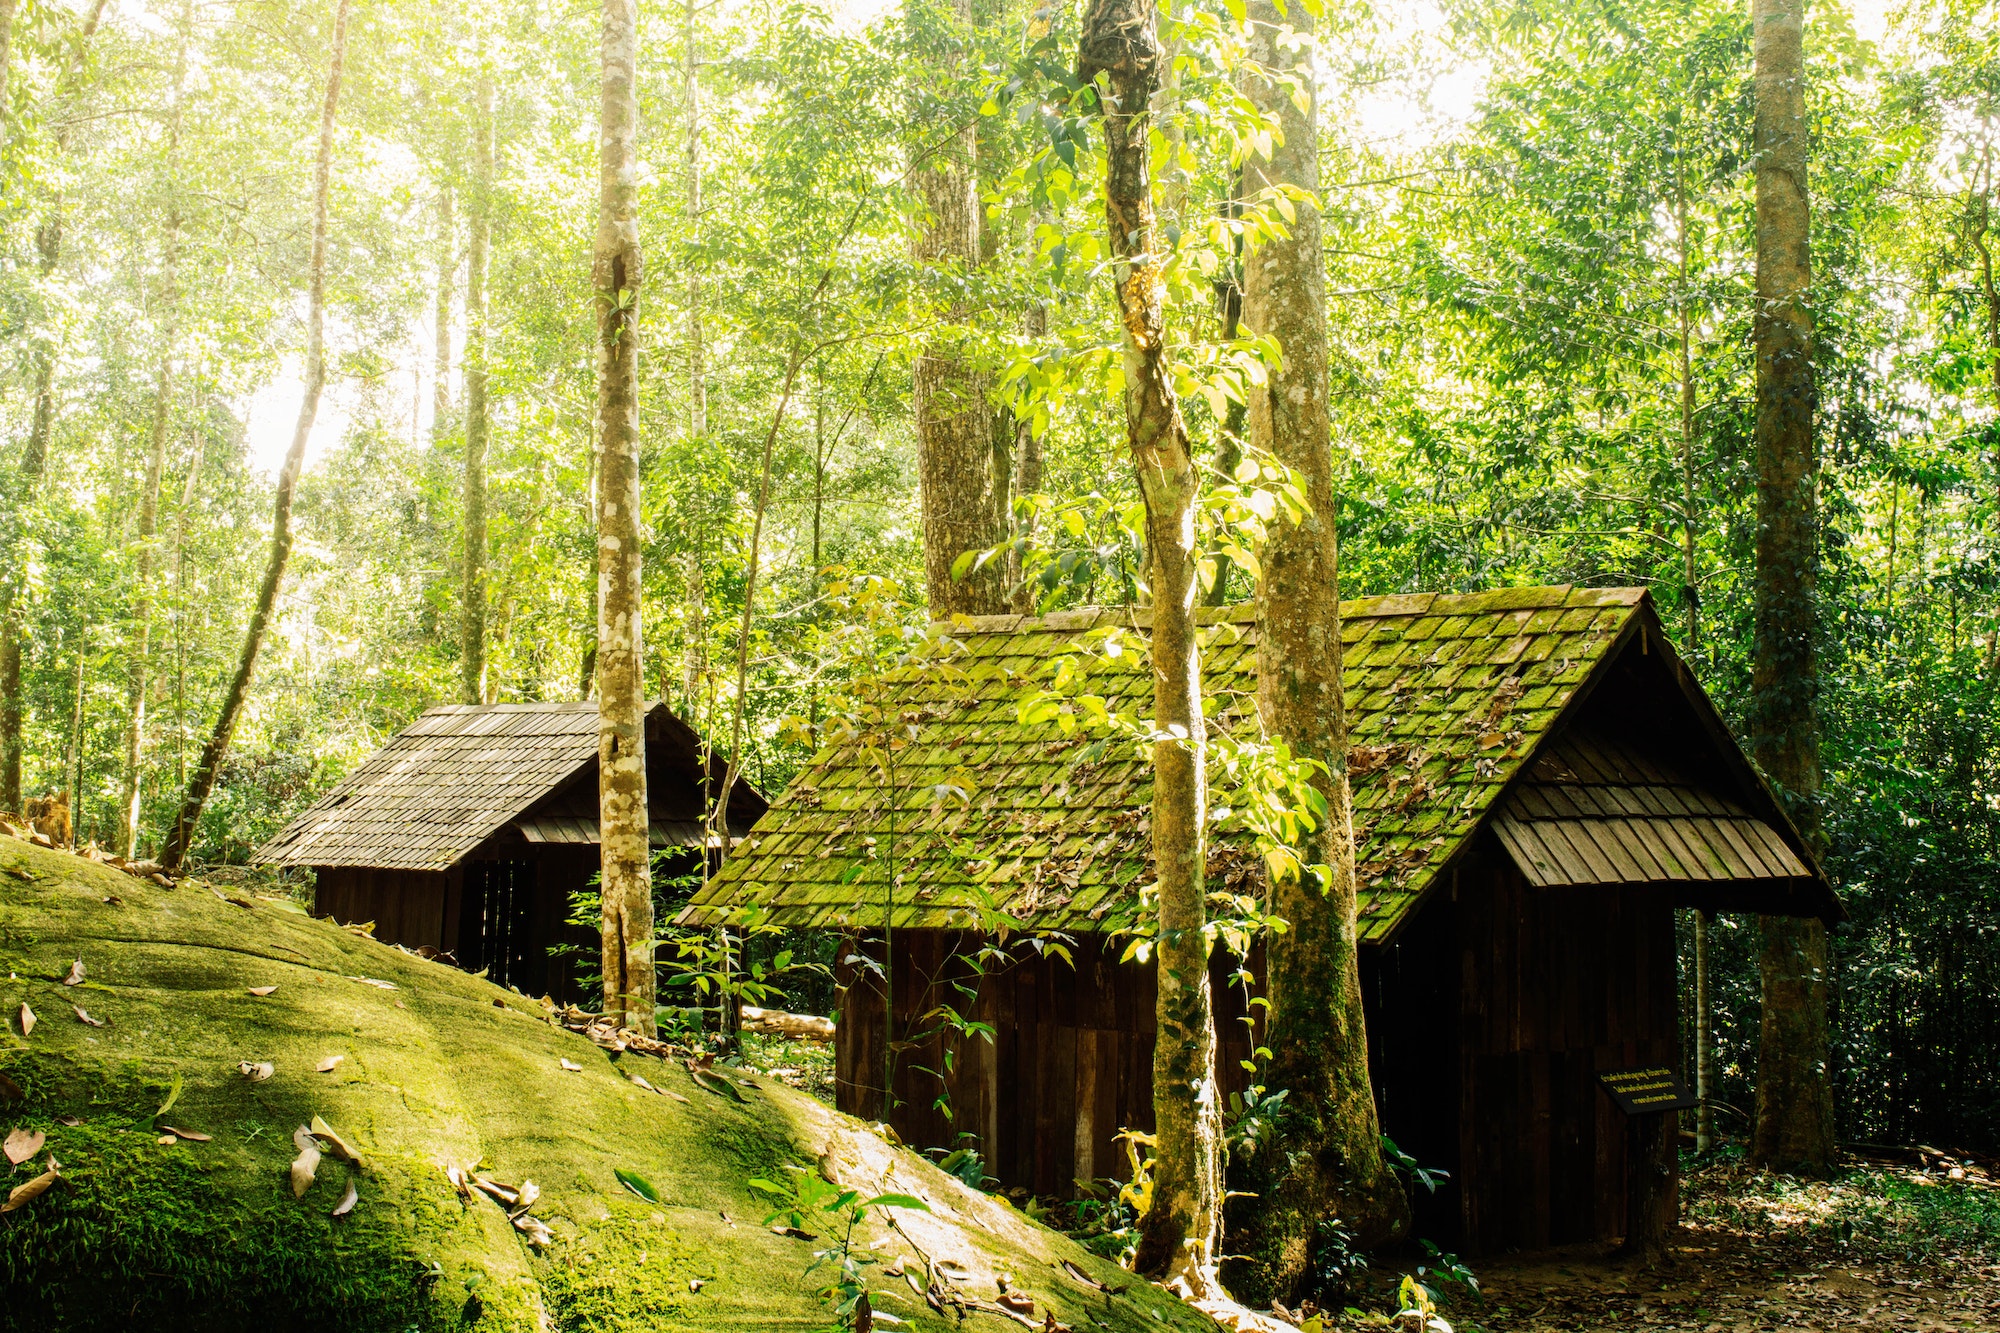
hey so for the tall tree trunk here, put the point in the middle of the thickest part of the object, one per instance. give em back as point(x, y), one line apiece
point(7, 8)
point(28, 473)
point(202, 781)
point(697, 372)
point(140, 643)
point(1327, 1163)
point(948, 393)
point(1027, 479)
point(626, 881)
point(1704, 1014)
point(1794, 1093)
point(441, 317)
point(472, 628)
point(1181, 1232)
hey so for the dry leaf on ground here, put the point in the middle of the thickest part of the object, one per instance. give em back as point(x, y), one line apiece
point(193, 1136)
point(84, 1015)
point(75, 973)
point(257, 1071)
point(328, 1065)
point(347, 1200)
point(27, 1020)
point(341, 1147)
point(23, 1194)
point(22, 1144)
point(306, 1163)
point(262, 990)
point(572, 1067)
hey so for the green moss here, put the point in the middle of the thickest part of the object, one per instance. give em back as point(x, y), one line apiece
point(162, 1237)
point(437, 1068)
point(630, 1271)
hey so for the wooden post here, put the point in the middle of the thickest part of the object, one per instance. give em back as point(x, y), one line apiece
point(1649, 1194)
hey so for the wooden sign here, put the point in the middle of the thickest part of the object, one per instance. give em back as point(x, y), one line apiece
point(1645, 1091)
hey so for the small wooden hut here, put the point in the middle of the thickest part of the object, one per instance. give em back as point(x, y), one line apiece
point(467, 833)
point(1538, 783)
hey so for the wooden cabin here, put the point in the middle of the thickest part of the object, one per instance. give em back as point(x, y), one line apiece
point(466, 834)
point(1538, 784)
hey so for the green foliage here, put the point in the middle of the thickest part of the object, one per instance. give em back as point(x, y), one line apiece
point(808, 1203)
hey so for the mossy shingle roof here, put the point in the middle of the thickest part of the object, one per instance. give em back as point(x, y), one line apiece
point(1447, 695)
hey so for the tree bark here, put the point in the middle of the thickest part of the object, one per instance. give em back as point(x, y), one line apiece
point(140, 643)
point(441, 361)
point(697, 373)
point(1794, 1096)
point(7, 8)
point(948, 393)
point(626, 882)
point(1181, 1232)
point(28, 473)
point(202, 781)
point(472, 627)
point(1327, 1163)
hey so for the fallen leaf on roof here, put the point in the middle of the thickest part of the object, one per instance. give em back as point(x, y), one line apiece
point(1017, 1302)
point(73, 1121)
point(10, 1090)
point(571, 1066)
point(192, 1135)
point(348, 1199)
point(530, 1192)
point(328, 1065)
point(505, 1195)
point(535, 1230)
point(794, 1233)
point(374, 981)
point(27, 1020)
point(75, 973)
point(306, 1163)
point(84, 1015)
point(256, 1071)
point(262, 990)
point(640, 1080)
point(22, 1144)
point(21, 1195)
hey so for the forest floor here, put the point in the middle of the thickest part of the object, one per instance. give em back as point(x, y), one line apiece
point(1892, 1248)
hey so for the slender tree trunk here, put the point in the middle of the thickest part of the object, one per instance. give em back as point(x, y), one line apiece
point(948, 393)
point(28, 473)
point(1027, 478)
point(7, 8)
point(140, 643)
point(73, 769)
point(1794, 1093)
point(1704, 1014)
point(1229, 446)
point(441, 317)
point(617, 271)
point(1704, 1036)
point(1327, 1162)
point(697, 373)
point(472, 658)
point(203, 779)
point(1181, 1232)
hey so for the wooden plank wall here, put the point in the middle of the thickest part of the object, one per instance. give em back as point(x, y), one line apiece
point(1070, 1067)
point(408, 907)
point(1556, 985)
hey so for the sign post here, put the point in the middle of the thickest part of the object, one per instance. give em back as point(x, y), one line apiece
point(1647, 1095)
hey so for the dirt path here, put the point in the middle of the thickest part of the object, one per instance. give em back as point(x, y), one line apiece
point(1904, 1250)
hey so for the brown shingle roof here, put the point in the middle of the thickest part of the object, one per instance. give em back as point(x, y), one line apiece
point(1448, 695)
point(442, 786)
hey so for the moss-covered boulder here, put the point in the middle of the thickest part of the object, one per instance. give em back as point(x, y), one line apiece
point(146, 1228)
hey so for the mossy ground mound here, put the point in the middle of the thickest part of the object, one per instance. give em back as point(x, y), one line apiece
point(442, 1069)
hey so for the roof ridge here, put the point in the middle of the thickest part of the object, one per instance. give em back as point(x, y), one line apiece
point(1534, 596)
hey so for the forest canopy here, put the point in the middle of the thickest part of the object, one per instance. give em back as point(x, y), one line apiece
point(1539, 239)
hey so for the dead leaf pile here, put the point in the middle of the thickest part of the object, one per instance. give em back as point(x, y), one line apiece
point(515, 1201)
